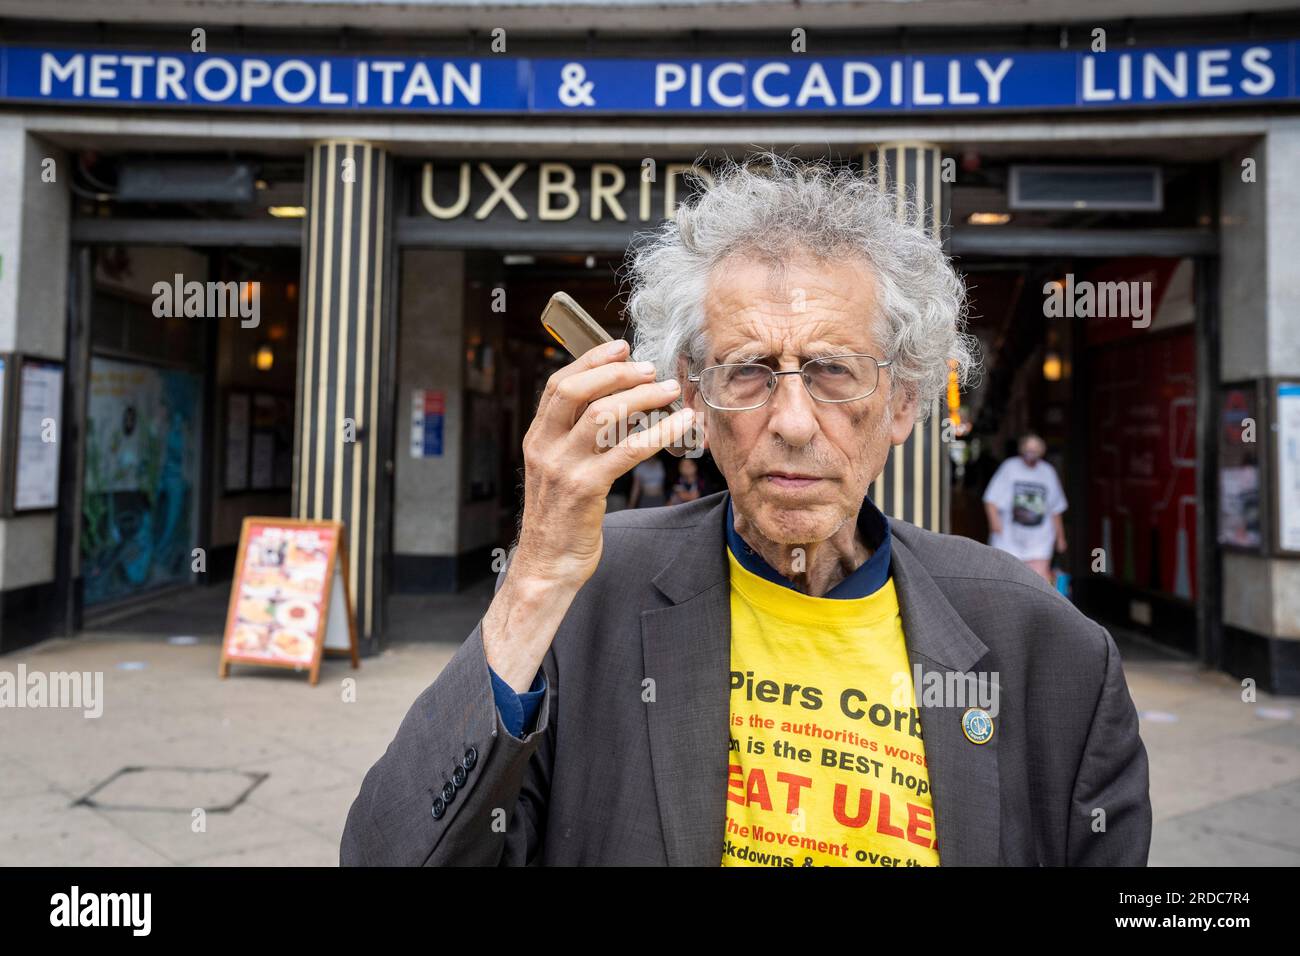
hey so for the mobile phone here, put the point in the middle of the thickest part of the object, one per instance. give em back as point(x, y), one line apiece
point(570, 325)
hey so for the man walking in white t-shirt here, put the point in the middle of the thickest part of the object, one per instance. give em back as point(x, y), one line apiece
point(1024, 503)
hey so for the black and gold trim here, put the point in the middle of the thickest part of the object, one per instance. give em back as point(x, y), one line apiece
point(914, 483)
point(339, 468)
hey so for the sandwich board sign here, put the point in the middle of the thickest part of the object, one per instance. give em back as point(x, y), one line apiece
point(289, 600)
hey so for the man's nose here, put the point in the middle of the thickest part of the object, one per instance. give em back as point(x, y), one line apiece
point(793, 415)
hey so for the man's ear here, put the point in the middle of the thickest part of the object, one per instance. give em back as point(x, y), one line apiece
point(691, 399)
point(683, 373)
point(902, 410)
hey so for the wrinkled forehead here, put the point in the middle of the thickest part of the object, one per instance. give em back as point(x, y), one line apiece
point(791, 305)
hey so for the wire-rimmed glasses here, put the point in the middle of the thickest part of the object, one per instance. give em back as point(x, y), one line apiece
point(742, 386)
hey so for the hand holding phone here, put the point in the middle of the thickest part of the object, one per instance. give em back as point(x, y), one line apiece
point(570, 462)
point(570, 325)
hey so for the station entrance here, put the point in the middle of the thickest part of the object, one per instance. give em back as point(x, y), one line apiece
point(190, 423)
point(1097, 355)
point(188, 415)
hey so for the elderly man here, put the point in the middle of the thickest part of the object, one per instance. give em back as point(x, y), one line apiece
point(776, 674)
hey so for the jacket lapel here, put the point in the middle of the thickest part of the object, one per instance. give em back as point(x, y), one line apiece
point(963, 775)
point(687, 649)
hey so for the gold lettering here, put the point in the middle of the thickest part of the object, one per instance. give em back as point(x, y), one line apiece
point(602, 193)
point(462, 195)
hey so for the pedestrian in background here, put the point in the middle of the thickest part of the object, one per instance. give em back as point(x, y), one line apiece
point(687, 486)
point(648, 482)
point(1024, 503)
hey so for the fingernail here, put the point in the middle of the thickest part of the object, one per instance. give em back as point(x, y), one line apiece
point(615, 347)
point(670, 385)
point(645, 368)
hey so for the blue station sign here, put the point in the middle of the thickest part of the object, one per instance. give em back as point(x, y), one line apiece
point(1123, 77)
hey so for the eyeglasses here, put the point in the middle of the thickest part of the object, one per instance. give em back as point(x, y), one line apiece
point(744, 386)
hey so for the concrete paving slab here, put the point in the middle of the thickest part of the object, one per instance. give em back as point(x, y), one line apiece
point(1258, 829)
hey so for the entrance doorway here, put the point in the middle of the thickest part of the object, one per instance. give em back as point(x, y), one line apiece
point(530, 356)
point(188, 416)
point(1099, 358)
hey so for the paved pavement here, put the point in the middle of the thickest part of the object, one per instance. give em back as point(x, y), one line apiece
point(1225, 773)
point(276, 762)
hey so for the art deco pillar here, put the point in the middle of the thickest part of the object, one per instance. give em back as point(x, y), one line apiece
point(339, 467)
point(914, 483)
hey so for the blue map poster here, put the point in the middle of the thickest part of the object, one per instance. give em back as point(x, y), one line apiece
point(141, 481)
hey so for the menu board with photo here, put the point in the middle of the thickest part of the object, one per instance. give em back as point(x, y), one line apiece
point(289, 599)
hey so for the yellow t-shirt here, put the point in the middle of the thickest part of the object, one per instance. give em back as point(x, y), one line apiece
point(827, 765)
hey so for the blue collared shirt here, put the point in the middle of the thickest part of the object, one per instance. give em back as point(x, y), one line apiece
point(866, 579)
point(519, 710)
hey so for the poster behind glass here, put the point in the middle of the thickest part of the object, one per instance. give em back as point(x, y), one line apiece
point(1288, 467)
point(141, 481)
point(40, 404)
point(1239, 468)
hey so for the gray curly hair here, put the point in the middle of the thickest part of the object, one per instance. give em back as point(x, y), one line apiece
point(775, 207)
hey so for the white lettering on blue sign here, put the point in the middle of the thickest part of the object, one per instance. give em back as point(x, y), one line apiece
point(1049, 80)
point(1209, 74)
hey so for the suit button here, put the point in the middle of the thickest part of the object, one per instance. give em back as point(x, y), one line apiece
point(458, 777)
point(439, 808)
point(448, 792)
point(471, 758)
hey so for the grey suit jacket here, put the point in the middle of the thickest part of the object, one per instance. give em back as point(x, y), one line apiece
point(609, 778)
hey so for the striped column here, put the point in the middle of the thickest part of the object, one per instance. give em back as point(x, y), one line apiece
point(914, 484)
point(343, 340)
